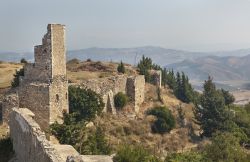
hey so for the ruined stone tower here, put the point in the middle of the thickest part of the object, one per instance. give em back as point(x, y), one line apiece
point(44, 87)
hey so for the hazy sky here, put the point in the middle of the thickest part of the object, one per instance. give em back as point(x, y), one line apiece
point(200, 25)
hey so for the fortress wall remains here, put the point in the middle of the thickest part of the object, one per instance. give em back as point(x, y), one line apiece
point(30, 143)
point(35, 96)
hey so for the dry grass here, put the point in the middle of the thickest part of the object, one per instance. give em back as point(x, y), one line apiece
point(7, 70)
point(128, 129)
point(77, 70)
point(3, 130)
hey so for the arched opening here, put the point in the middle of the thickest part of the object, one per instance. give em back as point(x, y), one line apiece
point(57, 98)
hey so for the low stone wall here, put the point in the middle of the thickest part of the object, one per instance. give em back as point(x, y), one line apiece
point(30, 143)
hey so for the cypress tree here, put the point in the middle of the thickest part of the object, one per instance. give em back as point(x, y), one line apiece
point(121, 68)
point(211, 113)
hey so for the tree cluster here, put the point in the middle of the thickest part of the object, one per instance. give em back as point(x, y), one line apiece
point(181, 86)
point(212, 113)
point(145, 65)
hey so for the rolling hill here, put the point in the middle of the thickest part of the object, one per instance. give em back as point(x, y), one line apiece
point(159, 55)
point(220, 68)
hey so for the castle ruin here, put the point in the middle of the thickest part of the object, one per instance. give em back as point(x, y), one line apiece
point(42, 97)
point(44, 87)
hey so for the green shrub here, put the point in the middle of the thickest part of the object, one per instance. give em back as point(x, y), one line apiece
point(121, 68)
point(23, 61)
point(165, 120)
point(95, 143)
point(120, 100)
point(185, 157)
point(15, 81)
point(85, 103)
point(129, 153)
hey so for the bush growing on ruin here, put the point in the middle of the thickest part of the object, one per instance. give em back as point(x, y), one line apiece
point(15, 81)
point(120, 100)
point(23, 61)
point(165, 121)
point(121, 68)
point(130, 153)
point(85, 103)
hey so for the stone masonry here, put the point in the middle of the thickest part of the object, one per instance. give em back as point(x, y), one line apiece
point(132, 86)
point(44, 87)
point(157, 77)
point(30, 143)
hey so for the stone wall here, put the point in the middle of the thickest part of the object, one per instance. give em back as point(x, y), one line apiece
point(136, 90)
point(156, 77)
point(35, 96)
point(30, 143)
point(133, 86)
point(10, 100)
point(44, 87)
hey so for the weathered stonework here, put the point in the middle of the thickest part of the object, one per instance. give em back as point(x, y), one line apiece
point(10, 100)
point(157, 77)
point(133, 86)
point(44, 87)
point(136, 90)
point(30, 143)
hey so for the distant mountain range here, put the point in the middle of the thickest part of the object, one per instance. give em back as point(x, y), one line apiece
point(159, 55)
point(223, 65)
point(220, 68)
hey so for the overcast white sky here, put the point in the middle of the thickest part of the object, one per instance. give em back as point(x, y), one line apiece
point(196, 25)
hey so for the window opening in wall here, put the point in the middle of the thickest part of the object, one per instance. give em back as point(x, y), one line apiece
point(57, 97)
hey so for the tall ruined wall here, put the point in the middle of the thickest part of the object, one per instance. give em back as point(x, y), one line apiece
point(136, 90)
point(31, 145)
point(44, 87)
point(58, 50)
point(58, 96)
point(35, 96)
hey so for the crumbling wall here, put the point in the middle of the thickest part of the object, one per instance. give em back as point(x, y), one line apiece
point(107, 88)
point(58, 96)
point(156, 77)
point(136, 90)
point(29, 141)
point(10, 100)
point(44, 87)
point(133, 86)
point(31, 145)
point(35, 96)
